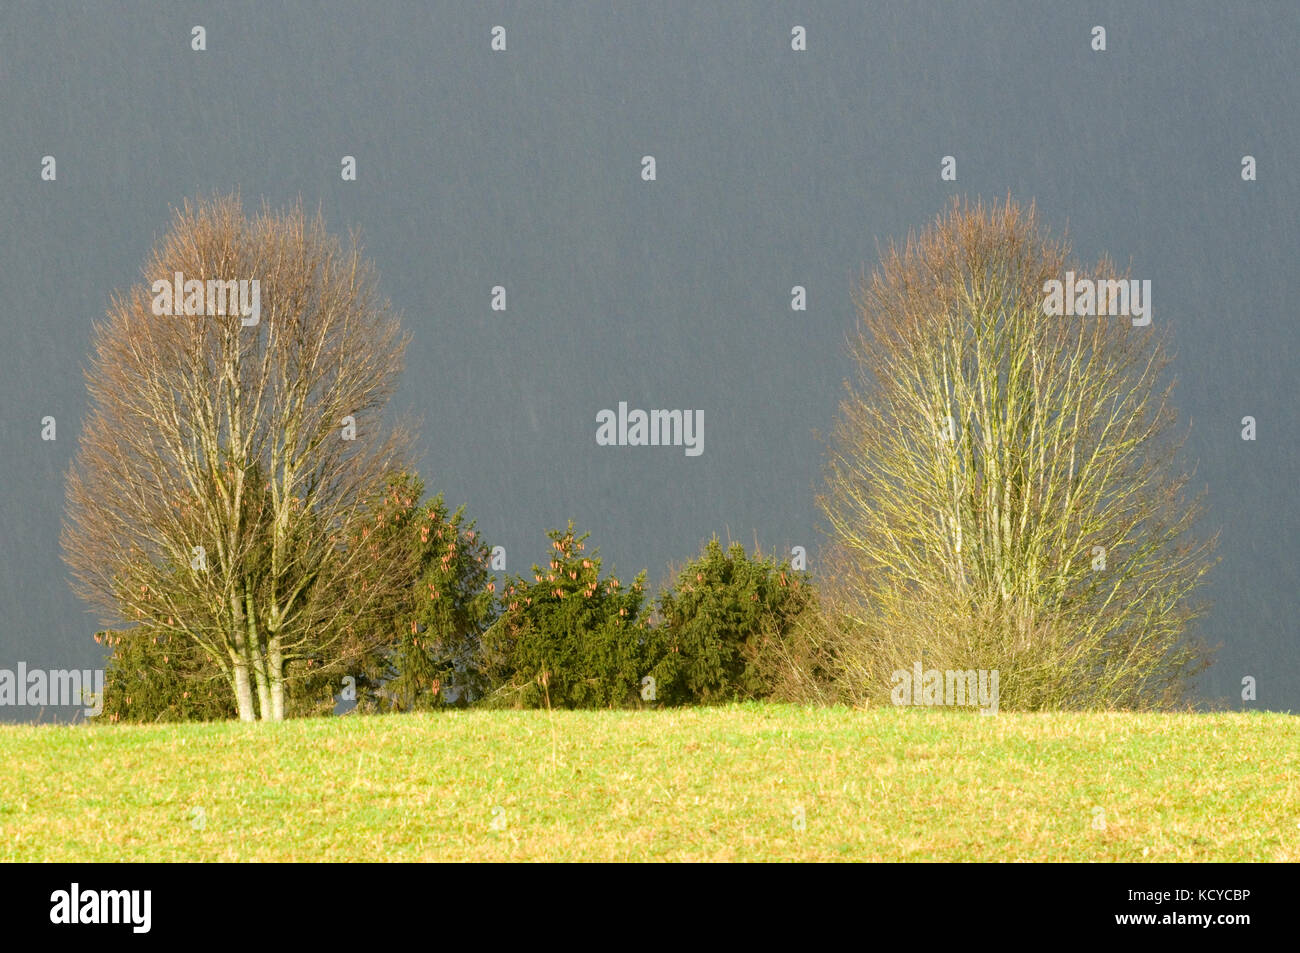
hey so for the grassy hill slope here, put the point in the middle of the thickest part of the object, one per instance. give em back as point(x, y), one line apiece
point(729, 783)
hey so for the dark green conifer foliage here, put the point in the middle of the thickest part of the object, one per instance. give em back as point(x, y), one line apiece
point(718, 621)
point(569, 638)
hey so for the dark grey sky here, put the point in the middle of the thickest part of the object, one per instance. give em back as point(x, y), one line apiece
point(775, 168)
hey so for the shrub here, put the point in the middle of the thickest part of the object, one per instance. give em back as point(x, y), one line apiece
point(152, 676)
point(724, 625)
point(436, 655)
point(568, 639)
point(157, 676)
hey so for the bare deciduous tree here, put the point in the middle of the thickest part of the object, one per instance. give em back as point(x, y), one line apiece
point(1002, 489)
point(219, 491)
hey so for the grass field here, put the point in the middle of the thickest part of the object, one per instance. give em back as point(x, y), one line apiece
point(697, 784)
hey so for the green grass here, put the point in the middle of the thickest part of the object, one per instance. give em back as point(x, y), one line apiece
point(694, 784)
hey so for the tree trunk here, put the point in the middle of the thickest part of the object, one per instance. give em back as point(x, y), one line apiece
point(262, 682)
point(275, 665)
point(243, 688)
point(241, 662)
point(260, 675)
point(263, 687)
